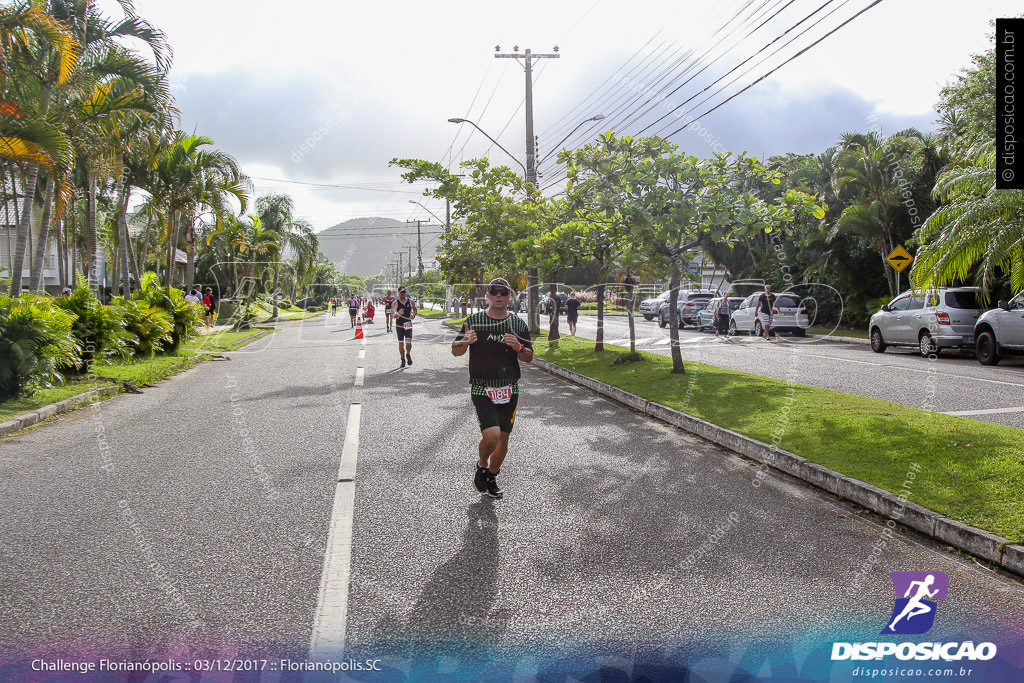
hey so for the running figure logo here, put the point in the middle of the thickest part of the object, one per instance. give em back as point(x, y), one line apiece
point(914, 612)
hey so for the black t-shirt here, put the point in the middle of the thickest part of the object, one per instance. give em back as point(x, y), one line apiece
point(492, 362)
point(572, 306)
point(764, 303)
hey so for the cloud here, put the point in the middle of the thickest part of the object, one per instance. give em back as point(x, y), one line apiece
point(310, 130)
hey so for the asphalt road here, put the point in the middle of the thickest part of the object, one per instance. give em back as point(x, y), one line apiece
point(955, 382)
point(193, 520)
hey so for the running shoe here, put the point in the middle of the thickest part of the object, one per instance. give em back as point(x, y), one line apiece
point(480, 479)
point(403, 361)
point(493, 490)
point(409, 357)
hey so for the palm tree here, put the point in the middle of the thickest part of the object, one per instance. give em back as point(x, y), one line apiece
point(275, 211)
point(37, 52)
point(868, 165)
point(976, 227)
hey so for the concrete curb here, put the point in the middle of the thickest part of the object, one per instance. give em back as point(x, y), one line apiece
point(845, 340)
point(65, 406)
point(950, 532)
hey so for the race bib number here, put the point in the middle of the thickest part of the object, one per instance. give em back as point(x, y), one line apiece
point(407, 326)
point(499, 395)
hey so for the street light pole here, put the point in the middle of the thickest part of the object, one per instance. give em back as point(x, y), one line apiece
point(532, 275)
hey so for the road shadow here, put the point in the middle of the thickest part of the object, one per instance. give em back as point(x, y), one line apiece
point(456, 603)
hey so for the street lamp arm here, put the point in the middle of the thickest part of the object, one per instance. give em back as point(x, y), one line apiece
point(596, 117)
point(413, 201)
point(512, 156)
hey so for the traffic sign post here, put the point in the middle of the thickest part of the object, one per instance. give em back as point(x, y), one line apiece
point(899, 259)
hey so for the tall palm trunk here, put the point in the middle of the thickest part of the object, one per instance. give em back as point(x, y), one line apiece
point(74, 245)
point(140, 264)
point(62, 253)
point(190, 262)
point(24, 230)
point(38, 281)
point(25, 222)
point(7, 200)
point(121, 228)
point(673, 303)
point(95, 277)
point(172, 219)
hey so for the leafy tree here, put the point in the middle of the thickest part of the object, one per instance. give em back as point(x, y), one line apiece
point(977, 231)
point(670, 200)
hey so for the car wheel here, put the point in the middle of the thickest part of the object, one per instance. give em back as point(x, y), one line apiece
point(985, 349)
point(648, 318)
point(758, 328)
point(878, 345)
point(661, 320)
point(926, 345)
point(732, 328)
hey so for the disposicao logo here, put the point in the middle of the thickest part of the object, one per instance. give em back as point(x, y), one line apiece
point(913, 614)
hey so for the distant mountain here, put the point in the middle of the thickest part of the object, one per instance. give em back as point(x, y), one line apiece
point(362, 246)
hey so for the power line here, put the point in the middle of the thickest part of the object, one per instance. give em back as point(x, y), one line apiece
point(741, 64)
point(733, 96)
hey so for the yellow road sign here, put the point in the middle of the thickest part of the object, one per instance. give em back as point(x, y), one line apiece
point(899, 259)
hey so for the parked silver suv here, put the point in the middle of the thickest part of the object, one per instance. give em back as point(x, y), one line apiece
point(932, 320)
point(689, 304)
point(649, 307)
point(1000, 332)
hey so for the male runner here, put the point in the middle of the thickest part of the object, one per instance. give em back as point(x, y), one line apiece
point(572, 315)
point(497, 340)
point(386, 305)
point(404, 310)
point(763, 310)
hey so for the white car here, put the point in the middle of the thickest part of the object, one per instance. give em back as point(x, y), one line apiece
point(789, 314)
point(1000, 332)
point(933, 320)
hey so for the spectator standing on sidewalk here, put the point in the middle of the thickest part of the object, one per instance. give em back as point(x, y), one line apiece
point(497, 340)
point(723, 315)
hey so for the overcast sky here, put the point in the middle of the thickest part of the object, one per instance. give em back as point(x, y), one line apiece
point(326, 93)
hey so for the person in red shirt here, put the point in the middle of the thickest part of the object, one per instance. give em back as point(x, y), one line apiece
point(210, 306)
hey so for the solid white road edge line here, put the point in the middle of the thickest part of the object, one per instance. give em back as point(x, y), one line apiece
point(328, 638)
point(988, 411)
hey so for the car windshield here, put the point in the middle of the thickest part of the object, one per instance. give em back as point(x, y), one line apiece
point(964, 299)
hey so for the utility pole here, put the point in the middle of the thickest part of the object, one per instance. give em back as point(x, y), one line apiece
point(419, 247)
point(532, 278)
point(410, 261)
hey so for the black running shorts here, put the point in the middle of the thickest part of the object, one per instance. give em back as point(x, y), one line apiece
point(502, 415)
point(403, 334)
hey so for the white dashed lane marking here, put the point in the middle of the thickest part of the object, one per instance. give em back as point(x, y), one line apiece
point(328, 639)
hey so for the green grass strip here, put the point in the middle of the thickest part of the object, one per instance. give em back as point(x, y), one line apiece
point(138, 371)
point(971, 471)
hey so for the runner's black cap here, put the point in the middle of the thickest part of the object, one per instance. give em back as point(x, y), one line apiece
point(401, 290)
point(500, 282)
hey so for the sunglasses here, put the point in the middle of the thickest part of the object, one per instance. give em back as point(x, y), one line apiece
point(498, 291)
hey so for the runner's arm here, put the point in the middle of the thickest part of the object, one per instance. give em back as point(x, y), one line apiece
point(462, 342)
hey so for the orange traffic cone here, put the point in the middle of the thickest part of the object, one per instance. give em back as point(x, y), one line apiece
point(359, 327)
